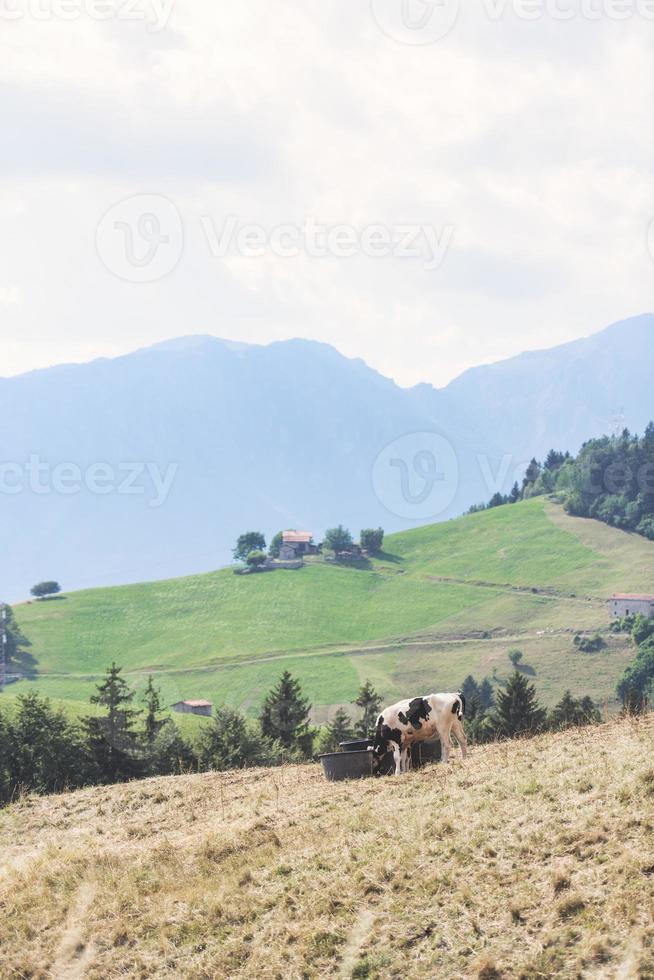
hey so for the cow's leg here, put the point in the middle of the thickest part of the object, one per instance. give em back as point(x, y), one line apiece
point(444, 735)
point(406, 758)
point(397, 755)
point(460, 736)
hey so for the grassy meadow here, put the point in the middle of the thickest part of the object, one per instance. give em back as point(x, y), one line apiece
point(532, 859)
point(443, 601)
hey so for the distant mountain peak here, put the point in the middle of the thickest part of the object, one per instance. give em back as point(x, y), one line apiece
point(197, 342)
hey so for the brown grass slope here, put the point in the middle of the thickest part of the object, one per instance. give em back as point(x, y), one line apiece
point(532, 859)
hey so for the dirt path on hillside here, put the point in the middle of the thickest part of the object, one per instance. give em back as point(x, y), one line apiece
point(546, 591)
point(73, 955)
point(424, 640)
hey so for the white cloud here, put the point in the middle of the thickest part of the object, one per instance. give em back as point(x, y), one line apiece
point(534, 140)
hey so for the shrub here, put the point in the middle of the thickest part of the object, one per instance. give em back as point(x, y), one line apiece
point(43, 589)
point(589, 644)
point(256, 559)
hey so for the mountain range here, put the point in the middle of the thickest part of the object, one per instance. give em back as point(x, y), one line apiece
point(149, 465)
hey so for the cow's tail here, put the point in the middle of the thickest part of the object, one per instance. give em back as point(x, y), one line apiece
point(459, 706)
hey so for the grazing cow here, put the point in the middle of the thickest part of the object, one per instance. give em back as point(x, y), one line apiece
point(418, 719)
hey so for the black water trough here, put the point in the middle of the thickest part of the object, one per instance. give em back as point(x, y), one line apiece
point(358, 745)
point(347, 765)
point(421, 752)
point(357, 767)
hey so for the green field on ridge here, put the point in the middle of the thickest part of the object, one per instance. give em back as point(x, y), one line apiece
point(443, 601)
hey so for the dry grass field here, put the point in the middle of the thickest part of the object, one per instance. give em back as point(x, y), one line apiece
point(532, 859)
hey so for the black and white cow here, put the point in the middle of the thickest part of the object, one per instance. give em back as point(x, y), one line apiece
point(416, 720)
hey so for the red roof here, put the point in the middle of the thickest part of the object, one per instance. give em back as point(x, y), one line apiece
point(297, 537)
point(633, 595)
point(196, 704)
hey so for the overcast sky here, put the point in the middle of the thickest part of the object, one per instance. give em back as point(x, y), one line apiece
point(510, 157)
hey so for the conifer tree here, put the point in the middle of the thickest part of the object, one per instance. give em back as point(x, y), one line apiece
point(112, 738)
point(152, 723)
point(570, 711)
point(518, 710)
point(164, 751)
point(486, 694)
point(338, 730)
point(5, 781)
point(45, 754)
point(284, 716)
point(469, 688)
point(229, 742)
point(15, 641)
point(370, 703)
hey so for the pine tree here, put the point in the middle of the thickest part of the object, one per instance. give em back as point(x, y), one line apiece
point(370, 702)
point(570, 711)
point(338, 730)
point(152, 724)
point(5, 780)
point(45, 753)
point(112, 738)
point(486, 694)
point(469, 688)
point(230, 743)
point(284, 717)
point(164, 751)
point(15, 641)
point(518, 710)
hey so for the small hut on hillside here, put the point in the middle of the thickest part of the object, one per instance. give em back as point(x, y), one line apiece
point(631, 604)
point(193, 708)
point(297, 544)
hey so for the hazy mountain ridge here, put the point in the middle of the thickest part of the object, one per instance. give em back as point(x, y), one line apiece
point(565, 395)
point(270, 436)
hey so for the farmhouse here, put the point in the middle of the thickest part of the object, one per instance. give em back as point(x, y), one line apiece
point(631, 604)
point(296, 544)
point(193, 707)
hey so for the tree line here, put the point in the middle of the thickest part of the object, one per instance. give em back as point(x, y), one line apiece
point(611, 479)
point(514, 709)
point(636, 686)
point(43, 751)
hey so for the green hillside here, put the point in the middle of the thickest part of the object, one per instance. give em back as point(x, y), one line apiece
point(443, 601)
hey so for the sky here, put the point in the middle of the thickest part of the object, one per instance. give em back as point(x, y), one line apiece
point(426, 185)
